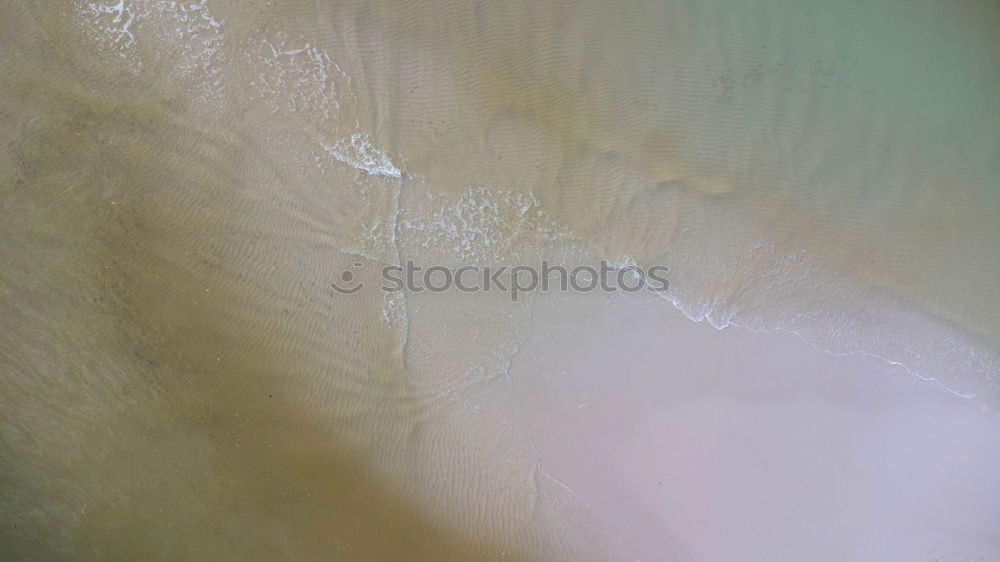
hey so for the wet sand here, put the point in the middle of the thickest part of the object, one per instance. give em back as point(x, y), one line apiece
point(692, 443)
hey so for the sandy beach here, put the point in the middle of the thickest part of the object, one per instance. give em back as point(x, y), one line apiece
point(186, 188)
point(693, 443)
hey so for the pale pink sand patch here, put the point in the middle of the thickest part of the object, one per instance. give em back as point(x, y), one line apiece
point(691, 443)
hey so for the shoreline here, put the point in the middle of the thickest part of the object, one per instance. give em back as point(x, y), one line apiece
point(746, 381)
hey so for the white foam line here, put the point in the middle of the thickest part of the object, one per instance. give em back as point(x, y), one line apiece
point(926, 378)
point(359, 153)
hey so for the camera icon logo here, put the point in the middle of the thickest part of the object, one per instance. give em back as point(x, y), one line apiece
point(347, 284)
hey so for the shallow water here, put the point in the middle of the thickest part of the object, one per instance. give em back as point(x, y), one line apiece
point(182, 183)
